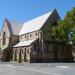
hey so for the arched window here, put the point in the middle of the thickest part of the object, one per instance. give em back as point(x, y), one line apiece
point(30, 35)
point(20, 56)
point(4, 38)
point(25, 55)
point(15, 55)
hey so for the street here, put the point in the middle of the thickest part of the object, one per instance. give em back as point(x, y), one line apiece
point(37, 68)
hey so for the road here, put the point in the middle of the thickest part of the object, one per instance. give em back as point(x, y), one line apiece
point(37, 69)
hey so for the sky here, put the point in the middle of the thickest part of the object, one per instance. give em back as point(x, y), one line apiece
point(24, 10)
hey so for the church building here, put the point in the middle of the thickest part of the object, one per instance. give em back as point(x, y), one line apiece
point(32, 41)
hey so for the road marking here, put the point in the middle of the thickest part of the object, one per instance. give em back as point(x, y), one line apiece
point(63, 67)
point(9, 65)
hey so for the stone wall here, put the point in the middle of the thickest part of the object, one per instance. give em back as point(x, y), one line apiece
point(29, 36)
point(5, 29)
point(14, 40)
point(21, 54)
point(46, 29)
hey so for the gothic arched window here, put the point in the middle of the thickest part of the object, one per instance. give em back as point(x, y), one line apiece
point(4, 38)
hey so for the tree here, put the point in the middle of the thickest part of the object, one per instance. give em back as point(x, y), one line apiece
point(69, 24)
point(63, 28)
point(58, 31)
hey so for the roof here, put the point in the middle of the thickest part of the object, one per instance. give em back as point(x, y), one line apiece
point(15, 27)
point(35, 24)
point(24, 43)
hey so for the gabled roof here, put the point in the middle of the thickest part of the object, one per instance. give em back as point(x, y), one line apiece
point(15, 27)
point(35, 24)
point(24, 43)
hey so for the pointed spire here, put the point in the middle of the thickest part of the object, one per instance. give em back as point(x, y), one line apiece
point(5, 20)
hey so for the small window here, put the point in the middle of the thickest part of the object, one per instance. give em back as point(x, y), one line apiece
point(20, 37)
point(25, 50)
point(28, 51)
point(53, 37)
point(36, 34)
point(35, 47)
point(4, 38)
point(30, 35)
point(25, 36)
point(15, 51)
point(22, 51)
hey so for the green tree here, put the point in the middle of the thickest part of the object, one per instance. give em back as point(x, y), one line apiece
point(69, 23)
point(62, 28)
point(58, 31)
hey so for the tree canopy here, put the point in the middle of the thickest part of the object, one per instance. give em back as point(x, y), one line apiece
point(65, 29)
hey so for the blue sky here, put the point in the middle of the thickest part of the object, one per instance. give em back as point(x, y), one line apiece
point(24, 10)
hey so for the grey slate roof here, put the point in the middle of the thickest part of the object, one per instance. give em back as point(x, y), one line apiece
point(24, 43)
point(35, 24)
point(15, 27)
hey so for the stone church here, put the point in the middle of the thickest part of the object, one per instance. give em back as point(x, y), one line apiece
point(32, 41)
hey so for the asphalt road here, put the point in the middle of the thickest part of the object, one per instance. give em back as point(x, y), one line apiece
point(37, 69)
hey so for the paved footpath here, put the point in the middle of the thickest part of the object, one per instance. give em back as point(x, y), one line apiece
point(37, 69)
